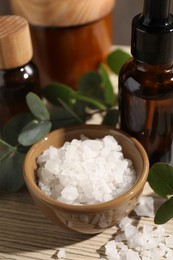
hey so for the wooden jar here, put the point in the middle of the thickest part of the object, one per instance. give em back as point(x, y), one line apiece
point(70, 37)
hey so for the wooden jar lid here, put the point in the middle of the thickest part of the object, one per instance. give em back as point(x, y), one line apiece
point(15, 42)
point(62, 12)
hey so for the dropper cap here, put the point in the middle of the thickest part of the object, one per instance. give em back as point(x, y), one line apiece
point(152, 33)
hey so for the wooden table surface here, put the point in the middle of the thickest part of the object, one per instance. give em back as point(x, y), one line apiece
point(26, 234)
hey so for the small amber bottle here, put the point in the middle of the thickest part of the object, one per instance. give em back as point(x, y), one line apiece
point(146, 82)
point(18, 75)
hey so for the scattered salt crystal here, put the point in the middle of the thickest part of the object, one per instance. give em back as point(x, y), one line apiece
point(132, 255)
point(111, 251)
point(125, 222)
point(130, 231)
point(169, 241)
point(145, 206)
point(61, 253)
point(142, 243)
point(85, 171)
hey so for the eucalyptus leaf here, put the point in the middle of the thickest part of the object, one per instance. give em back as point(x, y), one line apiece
point(80, 109)
point(11, 172)
point(62, 118)
point(116, 59)
point(37, 107)
point(90, 100)
point(6, 149)
point(4, 153)
point(13, 127)
point(57, 90)
point(90, 84)
point(33, 132)
point(70, 110)
point(165, 212)
point(109, 94)
point(111, 117)
point(64, 123)
point(161, 179)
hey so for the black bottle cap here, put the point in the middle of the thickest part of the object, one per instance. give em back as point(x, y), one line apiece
point(152, 33)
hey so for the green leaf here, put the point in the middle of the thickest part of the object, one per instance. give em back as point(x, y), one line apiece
point(165, 212)
point(90, 84)
point(4, 152)
point(11, 172)
point(5, 149)
point(62, 118)
point(37, 107)
point(80, 109)
point(109, 94)
point(33, 132)
point(111, 117)
point(13, 127)
point(64, 123)
point(70, 110)
point(161, 179)
point(116, 59)
point(90, 100)
point(57, 90)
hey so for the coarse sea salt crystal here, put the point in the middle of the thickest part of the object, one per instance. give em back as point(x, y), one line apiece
point(69, 193)
point(61, 253)
point(142, 243)
point(85, 171)
point(169, 241)
point(145, 206)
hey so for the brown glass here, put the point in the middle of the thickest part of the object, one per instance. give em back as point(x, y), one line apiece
point(14, 85)
point(146, 107)
point(63, 54)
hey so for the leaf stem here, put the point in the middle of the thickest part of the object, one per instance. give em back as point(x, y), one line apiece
point(6, 155)
point(70, 110)
point(90, 100)
point(8, 145)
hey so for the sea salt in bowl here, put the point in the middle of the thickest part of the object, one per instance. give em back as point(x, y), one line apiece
point(87, 218)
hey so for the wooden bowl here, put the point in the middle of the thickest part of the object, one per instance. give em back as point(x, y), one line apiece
point(87, 219)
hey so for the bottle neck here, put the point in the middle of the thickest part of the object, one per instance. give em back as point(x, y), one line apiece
point(141, 66)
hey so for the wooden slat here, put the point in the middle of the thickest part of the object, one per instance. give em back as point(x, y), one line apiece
point(26, 234)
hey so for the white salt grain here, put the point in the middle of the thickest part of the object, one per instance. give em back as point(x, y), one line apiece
point(61, 253)
point(142, 243)
point(125, 222)
point(69, 193)
point(145, 206)
point(169, 241)
point(131, 254)
point(111, 251)
point(85, 171)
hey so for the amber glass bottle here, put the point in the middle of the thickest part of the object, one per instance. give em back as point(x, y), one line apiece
point(18, 75)
point(146, 82)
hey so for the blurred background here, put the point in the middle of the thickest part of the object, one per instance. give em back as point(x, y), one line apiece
point(122, 15)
